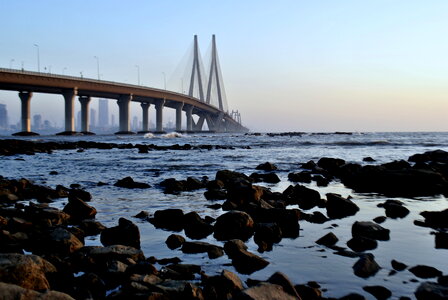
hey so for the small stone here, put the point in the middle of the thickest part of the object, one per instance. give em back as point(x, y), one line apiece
point(379, 292)
point(422, 271)
point(328, 240)
point(398, 266)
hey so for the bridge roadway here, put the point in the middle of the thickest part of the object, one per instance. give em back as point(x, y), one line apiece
point(27, 83)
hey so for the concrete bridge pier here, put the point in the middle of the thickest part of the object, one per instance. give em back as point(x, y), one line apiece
point(85, 114)
point(69, 97)
point(124, 122)
point(145, 122)
point(179, 108)
point(25, 98)
point(159, 116)
point(189, 114)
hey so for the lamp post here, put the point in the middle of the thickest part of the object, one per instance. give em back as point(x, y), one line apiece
point(97, 66)
point(138, 74)
point(38, 57)
point(164, 80)
point(10, 63)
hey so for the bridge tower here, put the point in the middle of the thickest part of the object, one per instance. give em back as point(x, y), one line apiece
point(196, 70)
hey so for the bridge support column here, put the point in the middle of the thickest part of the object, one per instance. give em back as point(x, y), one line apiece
point(123, 105)
point(179, 117)
point(189, 114)
point(25, 98)
point(159, 116)
point(69, 97)
point(85, 114)
point(145, 122)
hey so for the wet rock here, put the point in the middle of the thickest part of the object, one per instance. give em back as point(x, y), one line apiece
point(223, 286)
point(90, 285)
point(425, 272)
point(287, 219)
point(192, 184)
point(368, 159)
point(431, 290)
point(268, 177)
point(305, 197)
point(27, 271)
point(339, 207)
point(57, 240)
point(171, 219)
point(174, 241)
point(91, 227)
point(129, 183)
point(244, 261)
point(366, 266)
point(267, 233)
point(394, 209)
point(215, 195)
point(213, 251)
point(380, 219)
point(283, 281)
point(331, 165)
point(229, 177)
point(398, 266)
point(309, 291)
point(195, 227)
point(328, 240)
point(142, 215)
point(379, 292)
point(441, 240)
point(264, 291)
point(79, 210)
point(242, 193)
point(234, 225)
point(267, 166)
point(304, 176)
point(310, 165)
point(430, 156)
point(320, 180)
point(361, 244)
point(80, 194)
point(370, 230)
point(317, 217)
point(12, 291)
point(436, 219)
point(353, 296)
point(126, 233)
point(115, 252)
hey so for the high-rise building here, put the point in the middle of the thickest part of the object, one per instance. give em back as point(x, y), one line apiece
point(92, 117)
point(3, 117)
point(103, 113)
point(37, 122)
point(135, 123)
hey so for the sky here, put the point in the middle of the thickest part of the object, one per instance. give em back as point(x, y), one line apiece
point(299, 65)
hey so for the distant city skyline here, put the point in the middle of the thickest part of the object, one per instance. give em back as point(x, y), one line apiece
point(374, 65)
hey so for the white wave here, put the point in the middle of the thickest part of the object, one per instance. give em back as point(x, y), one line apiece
point(172, 135)
point(148, 135)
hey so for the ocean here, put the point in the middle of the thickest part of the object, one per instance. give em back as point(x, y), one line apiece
point(301, 259)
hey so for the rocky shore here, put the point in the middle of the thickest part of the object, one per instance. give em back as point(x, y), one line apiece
point(43, 253)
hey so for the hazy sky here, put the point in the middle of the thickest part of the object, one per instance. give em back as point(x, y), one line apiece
point(370, 65)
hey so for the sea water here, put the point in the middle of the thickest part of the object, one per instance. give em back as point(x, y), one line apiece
point(301, 259)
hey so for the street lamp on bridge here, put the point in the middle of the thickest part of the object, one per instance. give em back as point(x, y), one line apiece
point(38, 57)
point(97, 66)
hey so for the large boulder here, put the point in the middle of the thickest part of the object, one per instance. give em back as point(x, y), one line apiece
point(223, 286)
point(268, 177)
point(213, 251)
point(79, 210)
point(234, 225)
point(228, 177)
point(305, 197)
point(114, 252)
point(196, 227)
point(171, 219)
point(425, 272)
point(126, 233)
point(370, 230)
point(265, 291)
point(366, 266)
point(339, 207)
point(11, 292)
point(431, 290)
point(267, 166)
point(244, 261)
point(436, 219)
point(394, 209)
point(27, 271)
point(57, 240)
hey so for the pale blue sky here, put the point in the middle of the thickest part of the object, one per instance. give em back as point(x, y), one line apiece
point(371, 65)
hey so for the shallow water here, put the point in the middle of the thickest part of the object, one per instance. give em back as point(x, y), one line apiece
point(300, 259)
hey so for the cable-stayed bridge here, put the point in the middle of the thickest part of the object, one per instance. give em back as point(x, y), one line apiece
point(205, 100)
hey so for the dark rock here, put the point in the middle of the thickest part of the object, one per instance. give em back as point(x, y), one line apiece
point(441, 240)
point(425, 272)
point(360, 244)
point(268, 233)
point(27, 271)
point(90, 284)
point(244, 261)
point(223, 286)
point(174, 241)
point(394, 209)
point(370, 230)
point(308, 291)
point(234, 225)
point(79, 210)
point(264, 291)
point(171, 219)
point(379, 292)
point(267, 166)
point(215, 195)
point(91, 227)
point(331, 165)
point(310, 165)
point(368, 159)
point(268, 177)
point(192, 184)
point(115, 252)
point(287, 219)
point(431, 290)
point(366, 266)
point(126, 233)
point(398, 266)
point(353, 296)
point(283, 281)
point(304, 177)
point(321, 180)
point(195, 227)
point(81, 194)
point(430, 156)
point(57, 240)
point(129, 183)
point(380, 219)
point(242, 193)
point(228, 177)
point(328, 240)
point(339, 207)
point(12, 291)
point(305, 197)
point(142, 215)
point(213, 251)
point(317, 217)
point(436, 219)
